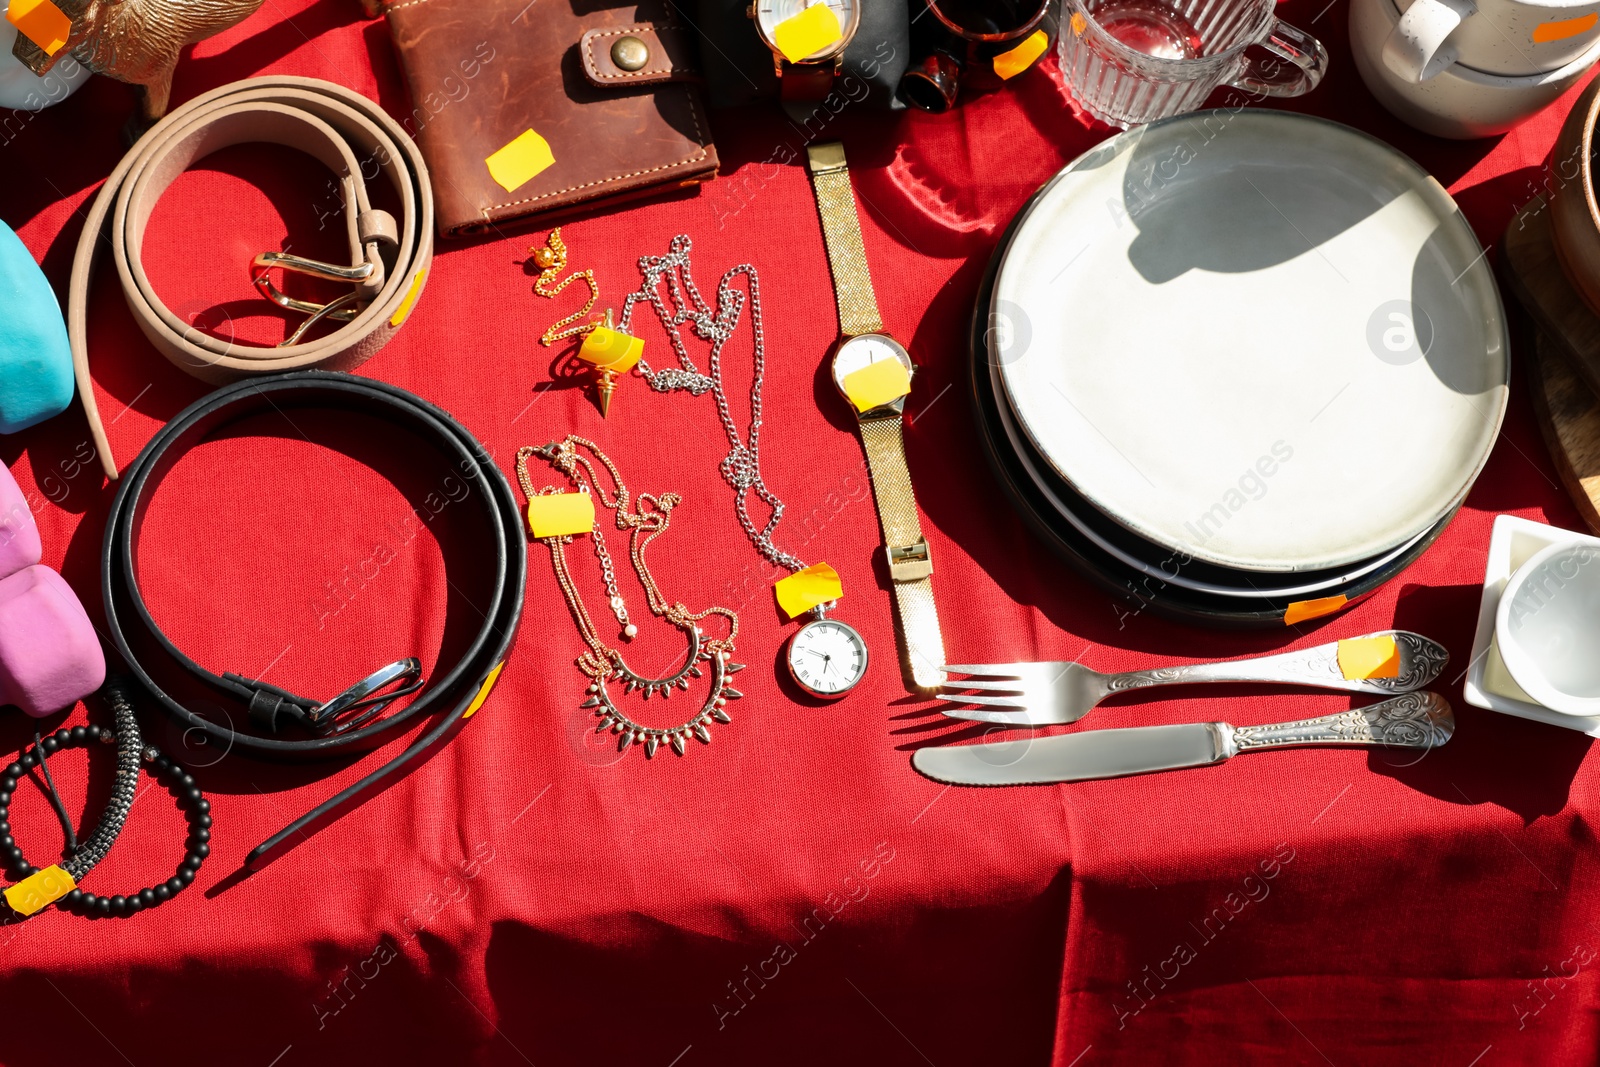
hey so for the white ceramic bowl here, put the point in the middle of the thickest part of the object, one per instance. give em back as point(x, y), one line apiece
point(1547, 627)
point(1458, 102)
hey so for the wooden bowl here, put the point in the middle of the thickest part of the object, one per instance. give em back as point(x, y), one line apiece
point(1574, 212)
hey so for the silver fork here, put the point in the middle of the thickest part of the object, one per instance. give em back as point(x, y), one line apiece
point(1047, 694)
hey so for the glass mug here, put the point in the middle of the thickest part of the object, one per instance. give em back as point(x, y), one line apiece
point(1134, 61)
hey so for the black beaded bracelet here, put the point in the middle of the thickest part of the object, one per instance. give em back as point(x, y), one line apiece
point(130, 752)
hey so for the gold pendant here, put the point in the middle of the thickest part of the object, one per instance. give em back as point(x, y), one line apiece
point(610, 352)
point(605, 348)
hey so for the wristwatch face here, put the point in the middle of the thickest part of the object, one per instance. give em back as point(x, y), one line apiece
point(864, 348)
point(769, 13)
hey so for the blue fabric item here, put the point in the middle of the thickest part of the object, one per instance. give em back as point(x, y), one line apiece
point(35, 357)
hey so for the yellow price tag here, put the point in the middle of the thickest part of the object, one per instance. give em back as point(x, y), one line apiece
point(611, 350)
point(804, 590)
point(39, 890)
point(1009, 64)
point(518, 162)
point(41, 22)
point(807, 33)
point(1369, 657)
point(483, 690)
point(877, 384)
point(401, 312)
point(561, 514)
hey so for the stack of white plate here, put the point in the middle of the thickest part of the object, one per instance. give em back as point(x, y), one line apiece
point(1243, 364)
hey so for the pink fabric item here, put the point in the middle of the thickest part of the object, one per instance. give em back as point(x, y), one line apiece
point(19, 536)
point(50, 657)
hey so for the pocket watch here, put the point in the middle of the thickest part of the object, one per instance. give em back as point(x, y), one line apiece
point(827, 657)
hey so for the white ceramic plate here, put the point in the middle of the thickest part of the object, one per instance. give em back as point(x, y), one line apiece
point(1264, 340)
point(1175, 576)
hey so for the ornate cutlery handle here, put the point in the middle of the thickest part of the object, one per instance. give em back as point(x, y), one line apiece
point(1421, 660)
point(1414, 720)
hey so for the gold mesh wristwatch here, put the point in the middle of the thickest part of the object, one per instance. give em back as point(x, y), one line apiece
point(864, 343)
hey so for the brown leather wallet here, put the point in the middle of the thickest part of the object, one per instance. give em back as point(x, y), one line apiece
point(613, 91)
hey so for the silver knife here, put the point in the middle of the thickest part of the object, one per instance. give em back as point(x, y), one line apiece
point(1414, 720)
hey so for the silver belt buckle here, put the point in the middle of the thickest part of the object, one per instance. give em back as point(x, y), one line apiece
point(364, 697)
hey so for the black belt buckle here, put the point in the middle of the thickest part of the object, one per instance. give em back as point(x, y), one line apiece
point(363, 701)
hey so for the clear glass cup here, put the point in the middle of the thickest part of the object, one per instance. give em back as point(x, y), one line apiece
point(1130, 62)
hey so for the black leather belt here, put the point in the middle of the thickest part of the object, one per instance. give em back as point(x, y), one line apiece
point(285, 725)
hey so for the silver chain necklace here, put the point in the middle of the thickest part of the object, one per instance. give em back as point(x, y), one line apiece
point(741, 468)
point(826, 657)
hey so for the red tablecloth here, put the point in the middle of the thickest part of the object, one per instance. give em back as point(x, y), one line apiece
point(794, 893)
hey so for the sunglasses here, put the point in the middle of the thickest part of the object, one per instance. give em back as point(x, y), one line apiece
point(973, 32)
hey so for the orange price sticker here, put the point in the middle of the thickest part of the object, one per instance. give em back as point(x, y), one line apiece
point(1011, 63)
point(805, 589)
point(1301, 610)
point(484, 690)
point(1369, 657)
point(1561, 29)
point(41, 22)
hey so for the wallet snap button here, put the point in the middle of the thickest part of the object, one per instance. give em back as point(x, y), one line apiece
point(630, 54)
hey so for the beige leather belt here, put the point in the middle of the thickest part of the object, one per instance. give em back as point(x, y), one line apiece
point(389, 259)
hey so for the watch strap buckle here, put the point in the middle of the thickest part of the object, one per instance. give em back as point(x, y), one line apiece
point(826, 158)
point(893, 410)
point(910, 563)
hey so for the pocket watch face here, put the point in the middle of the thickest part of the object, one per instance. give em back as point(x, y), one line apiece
point(827, 658)
point(865, 348)
point(769, 13)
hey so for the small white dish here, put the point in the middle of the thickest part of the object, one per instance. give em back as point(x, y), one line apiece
point(1489, 684)
point(1545, 624)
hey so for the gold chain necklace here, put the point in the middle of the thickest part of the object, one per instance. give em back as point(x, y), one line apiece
point(645, 520)
point(551, 260)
